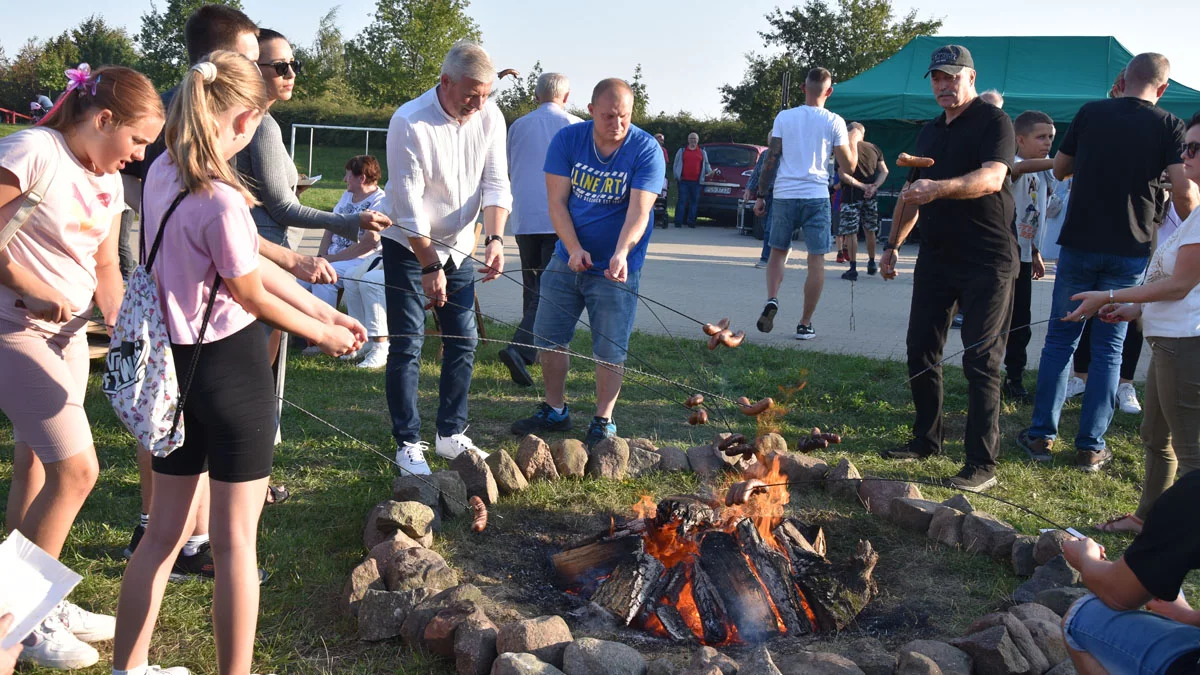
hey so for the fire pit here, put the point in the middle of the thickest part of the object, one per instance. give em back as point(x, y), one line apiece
point(688, 568)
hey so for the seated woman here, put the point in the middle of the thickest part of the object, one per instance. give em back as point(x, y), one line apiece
point(1168, 304)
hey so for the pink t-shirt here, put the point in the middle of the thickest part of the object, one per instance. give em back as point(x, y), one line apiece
point(59, 241)
point(209, 233)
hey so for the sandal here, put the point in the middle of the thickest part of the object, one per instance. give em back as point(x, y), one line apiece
point(277, 494)
point(1114, 525)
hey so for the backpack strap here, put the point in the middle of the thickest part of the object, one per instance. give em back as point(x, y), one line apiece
point(186, 386)
point(162, 226)
point(32, 198)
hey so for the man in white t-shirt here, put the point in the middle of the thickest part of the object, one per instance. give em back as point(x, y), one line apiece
point(795, 173)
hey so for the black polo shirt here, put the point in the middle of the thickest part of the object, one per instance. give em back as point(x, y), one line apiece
point(1121, 146)
point(969, 231)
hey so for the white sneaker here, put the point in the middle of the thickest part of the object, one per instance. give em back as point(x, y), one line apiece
point(1075, 386)
point(311, 350)
point(411, 458)
point(454, 445)
point(53, 646)
point(85, 625)
point(758, 265)
point(355, 355)
point(375, 356)
point(1127, 399)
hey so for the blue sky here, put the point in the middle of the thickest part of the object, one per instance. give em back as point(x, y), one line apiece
point(687, 48)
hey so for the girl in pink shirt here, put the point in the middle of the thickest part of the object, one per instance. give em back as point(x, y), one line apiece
point(61, 261)
point(209, 250)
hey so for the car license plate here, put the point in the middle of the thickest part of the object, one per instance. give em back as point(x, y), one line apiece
point(717, 190)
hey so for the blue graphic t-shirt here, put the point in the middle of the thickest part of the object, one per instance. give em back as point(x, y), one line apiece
point(600, 189)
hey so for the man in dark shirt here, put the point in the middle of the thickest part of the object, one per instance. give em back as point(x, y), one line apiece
point(968, 256)
point(1107, 632)
point(860, 208)
point(1115, 149)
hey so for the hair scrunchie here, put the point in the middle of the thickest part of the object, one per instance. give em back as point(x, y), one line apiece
point(207, 70)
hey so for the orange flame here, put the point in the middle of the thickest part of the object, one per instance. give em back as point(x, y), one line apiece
point(646, 508)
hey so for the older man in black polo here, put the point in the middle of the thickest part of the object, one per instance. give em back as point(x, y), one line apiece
point(968, 256)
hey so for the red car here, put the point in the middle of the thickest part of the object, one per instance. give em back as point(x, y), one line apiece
point(732, 164)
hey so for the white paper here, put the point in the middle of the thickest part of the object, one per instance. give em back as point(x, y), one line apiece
point(34, 582)
point(309, 181)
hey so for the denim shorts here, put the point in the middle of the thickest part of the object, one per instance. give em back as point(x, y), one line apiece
point(811, 216)
point(610, 305)
point(1127, 642)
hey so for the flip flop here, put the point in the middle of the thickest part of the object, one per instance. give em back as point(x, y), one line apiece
point(1110, 526)
point(277, 494)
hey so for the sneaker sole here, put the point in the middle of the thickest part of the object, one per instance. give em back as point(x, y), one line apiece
point(1035, 456)
point(1093, 468)
point(805, 336)
point(94, 637)
point(84, 661)
point(766, 321)
point(452, 457)
point(516, 370)
point(989, 483)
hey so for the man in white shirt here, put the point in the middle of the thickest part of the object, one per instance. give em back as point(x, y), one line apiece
point(801, 142)
point(527, 142)
point(446, 161)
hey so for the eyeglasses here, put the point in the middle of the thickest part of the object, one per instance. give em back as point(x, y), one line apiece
point(281, 67)
point(1190, 150)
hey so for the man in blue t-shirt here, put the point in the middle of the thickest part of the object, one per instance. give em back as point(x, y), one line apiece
point(602, 177)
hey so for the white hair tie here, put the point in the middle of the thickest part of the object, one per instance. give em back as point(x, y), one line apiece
point(207, 70)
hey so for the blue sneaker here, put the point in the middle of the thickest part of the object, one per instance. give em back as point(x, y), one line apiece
point(544, 419)
point(600, 429)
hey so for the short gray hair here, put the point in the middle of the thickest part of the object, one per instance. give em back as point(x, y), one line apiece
point(551, 86)
point(993, 96)
point(467, 58)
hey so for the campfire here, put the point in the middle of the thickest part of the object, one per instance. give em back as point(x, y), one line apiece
point(688, 568)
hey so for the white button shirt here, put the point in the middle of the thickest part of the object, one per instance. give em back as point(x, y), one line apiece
point(441, 174)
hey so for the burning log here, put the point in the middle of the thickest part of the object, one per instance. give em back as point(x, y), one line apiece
point(809, 537)
point(709, 605)
point(690, 513)
point(743, 596)
point(634, 582)
point(674, 583)
point(775, 574)
point(835, 593)
point(583, 566)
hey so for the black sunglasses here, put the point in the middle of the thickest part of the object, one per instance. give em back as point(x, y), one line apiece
point(1190, 150)
point(281, 67)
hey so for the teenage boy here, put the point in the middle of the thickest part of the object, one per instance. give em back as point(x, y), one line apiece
point(860, 208)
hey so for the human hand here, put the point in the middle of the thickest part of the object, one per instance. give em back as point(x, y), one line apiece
point(1039, 266)
point(580, 261)
point(8, 657)
point(760, 207)
point(870, 191)
point(1079, 551)
point(493, 261)
point(434, 285)
point(887, 264)
point(47, 304)
point(373, 221)
point(1089, 303)
point(336, 340)
point(351, 324)
point(314, 270)
point(1177, 610)
point(618, 268)
point(921, 192)
point(1117, 312)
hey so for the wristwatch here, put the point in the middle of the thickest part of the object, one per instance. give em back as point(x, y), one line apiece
point(493, 237)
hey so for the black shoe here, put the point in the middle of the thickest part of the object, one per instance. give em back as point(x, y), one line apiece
point(515, 363)
point(1015, 391)
point(872, 268)
point(600, 429)
point(805, 332)
point(1092, 461)
point(138, 533)
point(850, 275)
point(691, 226)
point(907, 452)
point(973, 479)
point(957, 322)
point(200, 566)
point(766, 321)
point(543, 419)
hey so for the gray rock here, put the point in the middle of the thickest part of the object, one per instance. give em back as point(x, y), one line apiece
point(589, 656)
point(994, 653)
point(463, 599)
point(477, 477)
point(1048, 637)
point(818, 663)
point(442, 630)
point(878, 495)
point(453, 493)
point(706, 658)
point(1022, 555)
point(951, 659)
point(1065, 668)
point(1054, 574)
point(871, 656)
point(535, 459)
point(960, 502)
point(475, 647)
point(415, 489)
point(913, 514)
point(419, 568)
point(384, 551)
point(522, 664)
point(643, 443)
point(913, 663)
point(363, 578)
point(546, 637)
point(1060, 599)
point(662, 666)
point(986, 534)
point(643, 461)
point(803, 470)
point(509, 478)
point(570, 457)
point(758, 661)
point(842, 480)
point(1019, 635)
point(609, 459)
point(382, 613)
point(946, 526)
point(771, 442)
point(671, 459)
point(1050, 545)
point(1033, 610)
point(386, 518)
point(704, 461)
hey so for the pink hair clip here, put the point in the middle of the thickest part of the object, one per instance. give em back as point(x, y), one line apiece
point(81, 78)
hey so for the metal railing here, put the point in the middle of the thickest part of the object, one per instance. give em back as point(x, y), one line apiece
point(312, 129)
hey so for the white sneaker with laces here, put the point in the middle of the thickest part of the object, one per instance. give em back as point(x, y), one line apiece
point(1075, 386)
point(1127, 400)
point(411, 458)
point(375, 356)
point(51, 645)
point(85, 625)
point(456, 444)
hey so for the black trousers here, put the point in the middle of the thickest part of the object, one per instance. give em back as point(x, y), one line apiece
point(1131, 350)
point(1015, 356)
point(536, 251)
point(984, 296)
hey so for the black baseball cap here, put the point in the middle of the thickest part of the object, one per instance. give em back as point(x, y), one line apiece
point(950, 59)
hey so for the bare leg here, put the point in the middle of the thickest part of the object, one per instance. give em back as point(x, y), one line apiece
point(775, 268)
point(172, 517)
point(813, 285)
point(608, 387)
point(49, 517)
point(554, 376)
point(236, 508)
point(146, 477)
point(28, 479)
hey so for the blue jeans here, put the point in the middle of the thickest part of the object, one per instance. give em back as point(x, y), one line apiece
point(810, 216)
point(611, 308)
point(1127, 642)
point(406, 322)
point(1080, 271)
point(687, 202)
point(766, 252)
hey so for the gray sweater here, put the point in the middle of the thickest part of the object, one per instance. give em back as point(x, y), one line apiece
point(271, 176)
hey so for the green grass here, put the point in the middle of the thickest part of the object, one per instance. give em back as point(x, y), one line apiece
point(6, 129)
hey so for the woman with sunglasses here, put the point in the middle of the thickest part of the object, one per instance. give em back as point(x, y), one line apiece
point(1168, 303)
